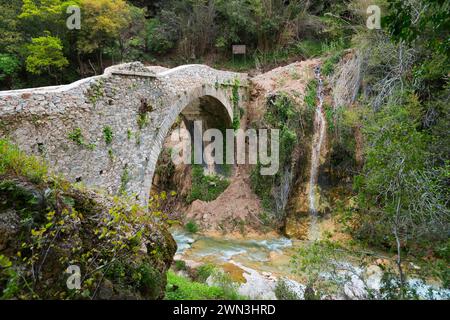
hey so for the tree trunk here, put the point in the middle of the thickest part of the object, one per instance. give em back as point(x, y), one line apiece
point(100, 59)
point(399, 250)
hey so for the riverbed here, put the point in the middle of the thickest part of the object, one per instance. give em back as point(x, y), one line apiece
point(256, 264)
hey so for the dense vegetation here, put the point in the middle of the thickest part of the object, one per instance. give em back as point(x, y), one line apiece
point(182, 288)
point(38, 49)
point(294, 123)
point(49, 224)
point(400, 111)
point(205, 187)
point(401, 108)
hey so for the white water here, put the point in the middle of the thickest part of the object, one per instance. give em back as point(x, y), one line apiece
point(319, 137)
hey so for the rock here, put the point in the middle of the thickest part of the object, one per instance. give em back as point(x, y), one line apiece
point(9, 227)
point(191, 264)
point(177, 257)
point(273, 255)
point(143, 248)
point(382, 262)
point(235, 272)
point(414, 266)
point(297, 226)
point(106, 290)
point(373, 270)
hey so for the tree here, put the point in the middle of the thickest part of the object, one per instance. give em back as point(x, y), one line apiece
point(45, 55)
point(46, 15)
point(103, 20)
point(132, 38)
point(9, 65)
point(12, 37)
point(421, 21)
point(401, 197)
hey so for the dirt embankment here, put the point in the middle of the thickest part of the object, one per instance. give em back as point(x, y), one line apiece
point(238, 208)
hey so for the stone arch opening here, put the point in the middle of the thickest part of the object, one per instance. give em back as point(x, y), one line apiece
point(213, 109)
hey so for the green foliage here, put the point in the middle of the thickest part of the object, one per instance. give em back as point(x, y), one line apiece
point(103, 20)
point(76, 135)
point(12, 35)
point(236, 110)
point(431, 27)
point(396, 171)
point(124, 179)
point(329, 64)
point(61, 225)
point(9, 65)
point(181, 288)
point(283, 114)
point(142, 120)
point(108, 134)
point(148, 280)
point(45, 54)
point(96, 91)
point(191, 227)
point(309, 48)
point(49, 11)
point(206, 187)
point(9, 279)
point(284, 292)
point(229, 287)
point(180, 265)
point(14, 161)
point(160, 38)
point(205, 271)
point(317, 259)
point(111, 154)
point(311, 94)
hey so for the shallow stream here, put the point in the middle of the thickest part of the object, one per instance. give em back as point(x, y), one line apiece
point(261, 262)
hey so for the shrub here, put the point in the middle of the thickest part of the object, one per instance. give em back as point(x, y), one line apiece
point(108, 134)
point(191, 227)
point(204, 271)
point(14, 161)
point(181, 288)
point(311, 94)
point(180, 265)
point(148, 280)
point(284, 292)
point(329, 64)
point(76, 135)
point(308, 48)
point(206, 187)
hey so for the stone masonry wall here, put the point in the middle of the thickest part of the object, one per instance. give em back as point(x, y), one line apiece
point(137, 104)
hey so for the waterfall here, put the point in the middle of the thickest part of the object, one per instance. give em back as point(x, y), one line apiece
point(283, 190)
point(318, 138)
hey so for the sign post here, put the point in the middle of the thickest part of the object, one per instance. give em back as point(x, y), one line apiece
point(240, 50)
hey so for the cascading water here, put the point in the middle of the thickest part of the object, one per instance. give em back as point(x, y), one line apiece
point(319, 136)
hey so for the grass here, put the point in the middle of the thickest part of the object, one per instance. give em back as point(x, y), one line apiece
point(191, 227)
point(309, 48)
point(204, 271)
point(108, 134)
point(14, 161)
point(181, 288)
point(311, 94)
point(330, 63)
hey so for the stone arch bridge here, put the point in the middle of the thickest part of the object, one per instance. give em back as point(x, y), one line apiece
point(108, 131)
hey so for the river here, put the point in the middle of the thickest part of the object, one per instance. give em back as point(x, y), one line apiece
point(256, 264)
